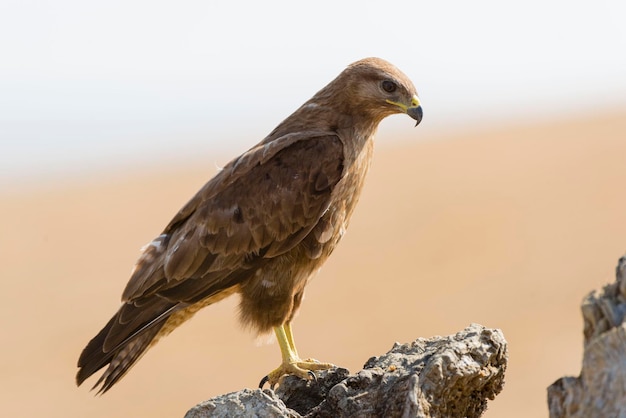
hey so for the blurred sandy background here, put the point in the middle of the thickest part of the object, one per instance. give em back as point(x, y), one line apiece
point(505, 207)
point(506, 226)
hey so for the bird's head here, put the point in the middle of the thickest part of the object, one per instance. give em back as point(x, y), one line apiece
point(377, 88)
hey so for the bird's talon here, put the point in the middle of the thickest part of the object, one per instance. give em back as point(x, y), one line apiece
point(263, 382)
point(312, 376)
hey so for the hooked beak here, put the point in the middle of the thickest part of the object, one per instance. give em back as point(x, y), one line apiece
point(414, 110)
point(416, 113)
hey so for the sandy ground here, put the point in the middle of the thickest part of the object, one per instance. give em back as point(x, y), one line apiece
point(506, 227)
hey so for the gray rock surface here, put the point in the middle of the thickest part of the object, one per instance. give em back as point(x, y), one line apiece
point(245, 403)
point(451, 376)
point(600, 390)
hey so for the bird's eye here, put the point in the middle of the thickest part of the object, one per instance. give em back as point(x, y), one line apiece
point(389, 86)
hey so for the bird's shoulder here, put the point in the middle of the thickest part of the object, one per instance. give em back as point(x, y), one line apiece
point(310, 152)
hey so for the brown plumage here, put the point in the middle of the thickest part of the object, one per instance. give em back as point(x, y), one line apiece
point(260, 227)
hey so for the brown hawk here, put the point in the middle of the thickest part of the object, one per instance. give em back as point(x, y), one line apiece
point(260, 227)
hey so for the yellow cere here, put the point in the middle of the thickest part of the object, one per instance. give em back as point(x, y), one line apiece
point(415, 102)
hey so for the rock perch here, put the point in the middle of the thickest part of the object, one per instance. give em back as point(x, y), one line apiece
point(451, 376)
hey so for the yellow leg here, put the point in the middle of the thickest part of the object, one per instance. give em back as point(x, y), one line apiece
point(292, 364)
point(285, 341)
point(289, 334)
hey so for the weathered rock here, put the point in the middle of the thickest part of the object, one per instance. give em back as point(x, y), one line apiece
point(451, 376)
point(245, 403)
point(600, 390)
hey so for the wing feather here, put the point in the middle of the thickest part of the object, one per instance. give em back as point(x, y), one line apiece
point(266, 201)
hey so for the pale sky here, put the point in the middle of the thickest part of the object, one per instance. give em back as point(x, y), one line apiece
point(87, 85)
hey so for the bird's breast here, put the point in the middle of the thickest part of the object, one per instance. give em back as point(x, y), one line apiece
point(331, 227)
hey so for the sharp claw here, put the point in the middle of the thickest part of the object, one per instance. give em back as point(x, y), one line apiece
point(313, 376)
point(264, 381)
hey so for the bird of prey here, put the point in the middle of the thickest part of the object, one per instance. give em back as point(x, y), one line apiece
point(260, 228)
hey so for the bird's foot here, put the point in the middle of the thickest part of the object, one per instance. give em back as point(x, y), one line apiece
point(301, 368)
